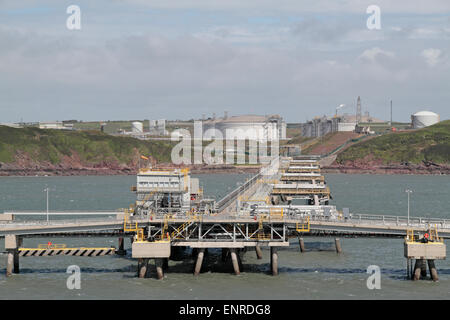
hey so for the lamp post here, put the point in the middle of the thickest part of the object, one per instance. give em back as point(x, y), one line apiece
point(408, 191)
point(46, 190)
point(339, 107)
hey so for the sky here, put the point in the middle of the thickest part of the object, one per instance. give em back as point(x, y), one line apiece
point(182, 59)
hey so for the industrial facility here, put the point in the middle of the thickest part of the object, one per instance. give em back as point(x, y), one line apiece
point(251, 127)
point(166, 191)
point(321, 126)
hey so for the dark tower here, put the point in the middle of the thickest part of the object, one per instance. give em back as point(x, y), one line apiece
point(358, 110)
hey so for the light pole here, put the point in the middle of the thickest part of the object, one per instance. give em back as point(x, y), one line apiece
point(409, 193)
point(46, 189)
point(340, 107)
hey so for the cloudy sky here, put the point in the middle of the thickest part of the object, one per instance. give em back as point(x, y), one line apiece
point(179, 59)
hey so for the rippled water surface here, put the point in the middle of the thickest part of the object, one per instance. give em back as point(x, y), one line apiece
point(318, 273)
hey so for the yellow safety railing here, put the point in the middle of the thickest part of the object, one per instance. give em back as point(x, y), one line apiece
point(304, 226)
point(140, 234)
point(276, 213)
point(260, 232)
point(434, 235)
point(132, 227)
point(192, 217)
point(52, 246)
point(129, 226)
point(410, 235)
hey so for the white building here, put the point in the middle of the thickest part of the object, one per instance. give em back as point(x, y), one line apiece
point(424, 119)
point(246, 127)
point(55, 125)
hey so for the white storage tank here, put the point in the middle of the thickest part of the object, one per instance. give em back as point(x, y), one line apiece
point(137, 127)
point(424, 119)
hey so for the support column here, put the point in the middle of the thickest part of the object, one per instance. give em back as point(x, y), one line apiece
point(238, 255)
point(12, 243)
point(258, 252)
point(142, 268)
point(198, 264)
point(274, 260)
point(417, 270)
point(316, 200)
point(9, 262)
point(433, 271)
point(16, 261)
point(337, 242)
point(165, 265)
point(121, 251)
point(408, 262)
point(234, 260)
point(423, 268)
point(159, 268)
point(301, 244)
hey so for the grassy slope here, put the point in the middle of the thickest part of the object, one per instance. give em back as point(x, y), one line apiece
point(91, 147)
point(432, 144)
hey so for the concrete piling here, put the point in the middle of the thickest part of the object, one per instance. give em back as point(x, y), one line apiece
point(417, 270)
point(238, 255)
point(159, 268)
point(258, 252)
point(198, 264)
point(16, 268)
point(9, 263)
point(301, 243)
point(274, 260)
point(121, 251)
point(423, 268)
point(433, 271)
point(165, 264)
point(337, 242)
point(234, 260)
point(142, 268)
point(12, 243)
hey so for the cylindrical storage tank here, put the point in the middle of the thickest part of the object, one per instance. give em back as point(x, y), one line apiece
point(137, 127)
point(424, 119)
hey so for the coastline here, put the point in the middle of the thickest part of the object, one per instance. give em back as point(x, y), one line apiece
point(223, 169)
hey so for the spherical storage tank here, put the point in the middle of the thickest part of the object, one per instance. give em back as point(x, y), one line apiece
point(137, 127)
point(424, 119)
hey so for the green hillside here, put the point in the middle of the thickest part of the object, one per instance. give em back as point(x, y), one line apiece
point(91, 147)
point(429, 144)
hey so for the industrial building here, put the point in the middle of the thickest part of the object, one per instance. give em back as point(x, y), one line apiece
point(157, 127)
point(168, 191)
point(321, 126)
point(251, 127)
point(55, 125)
point(424, 119)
